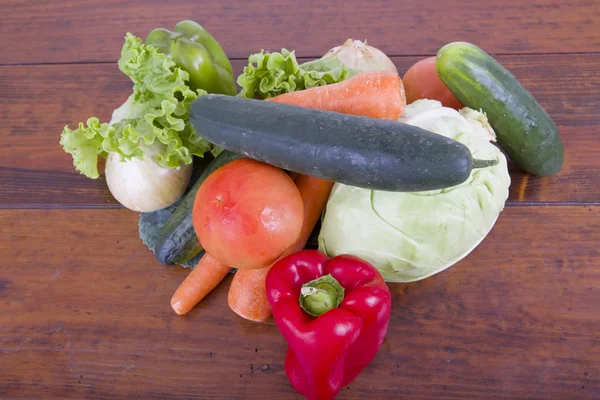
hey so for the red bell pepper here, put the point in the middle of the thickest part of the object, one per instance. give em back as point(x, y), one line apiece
point(334, 314)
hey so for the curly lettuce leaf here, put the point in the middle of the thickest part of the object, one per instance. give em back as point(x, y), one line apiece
point(156, 114)
point(85, 145)
point(271, 74)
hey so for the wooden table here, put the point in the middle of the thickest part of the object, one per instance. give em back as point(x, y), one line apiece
point(84, 306)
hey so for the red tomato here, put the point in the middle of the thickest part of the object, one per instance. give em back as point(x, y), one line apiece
point(421, 81)
point(247, 213)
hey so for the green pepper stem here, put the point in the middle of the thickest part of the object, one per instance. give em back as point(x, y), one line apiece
point(321, 295)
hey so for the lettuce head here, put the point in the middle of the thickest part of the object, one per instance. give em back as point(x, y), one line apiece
point(411, 236)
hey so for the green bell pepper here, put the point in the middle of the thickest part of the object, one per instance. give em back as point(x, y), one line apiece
point(194, 50)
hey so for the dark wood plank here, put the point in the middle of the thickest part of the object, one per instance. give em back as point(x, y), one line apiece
point(36, 102)
point(84, 312)
point(90, 31)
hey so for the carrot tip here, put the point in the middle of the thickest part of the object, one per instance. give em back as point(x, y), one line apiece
point(177, 306)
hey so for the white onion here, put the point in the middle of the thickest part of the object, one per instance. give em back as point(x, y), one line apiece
point(358, 55)
point(143, 185)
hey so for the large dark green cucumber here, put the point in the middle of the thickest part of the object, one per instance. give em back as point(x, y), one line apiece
point(359, 151)
point(177, 241)
point(524, 129)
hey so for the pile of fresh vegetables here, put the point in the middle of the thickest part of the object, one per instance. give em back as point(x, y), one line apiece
point(397, 178)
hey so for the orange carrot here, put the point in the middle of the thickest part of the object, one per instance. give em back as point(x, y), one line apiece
point(201, 281)
point(315, 193)
point(375, 94)
point(247, 295)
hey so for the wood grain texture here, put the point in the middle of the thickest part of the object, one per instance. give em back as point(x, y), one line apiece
point(84, 312)
point(84, 306)
point(91, 31)
point(36, 102)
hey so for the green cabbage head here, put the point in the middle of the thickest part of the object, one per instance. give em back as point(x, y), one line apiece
point(411, 236)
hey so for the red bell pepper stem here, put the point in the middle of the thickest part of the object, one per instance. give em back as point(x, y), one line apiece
point(321, 295)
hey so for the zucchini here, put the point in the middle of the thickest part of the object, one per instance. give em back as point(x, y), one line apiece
point(177, 241)
point(524, 129)
point(358, 151)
